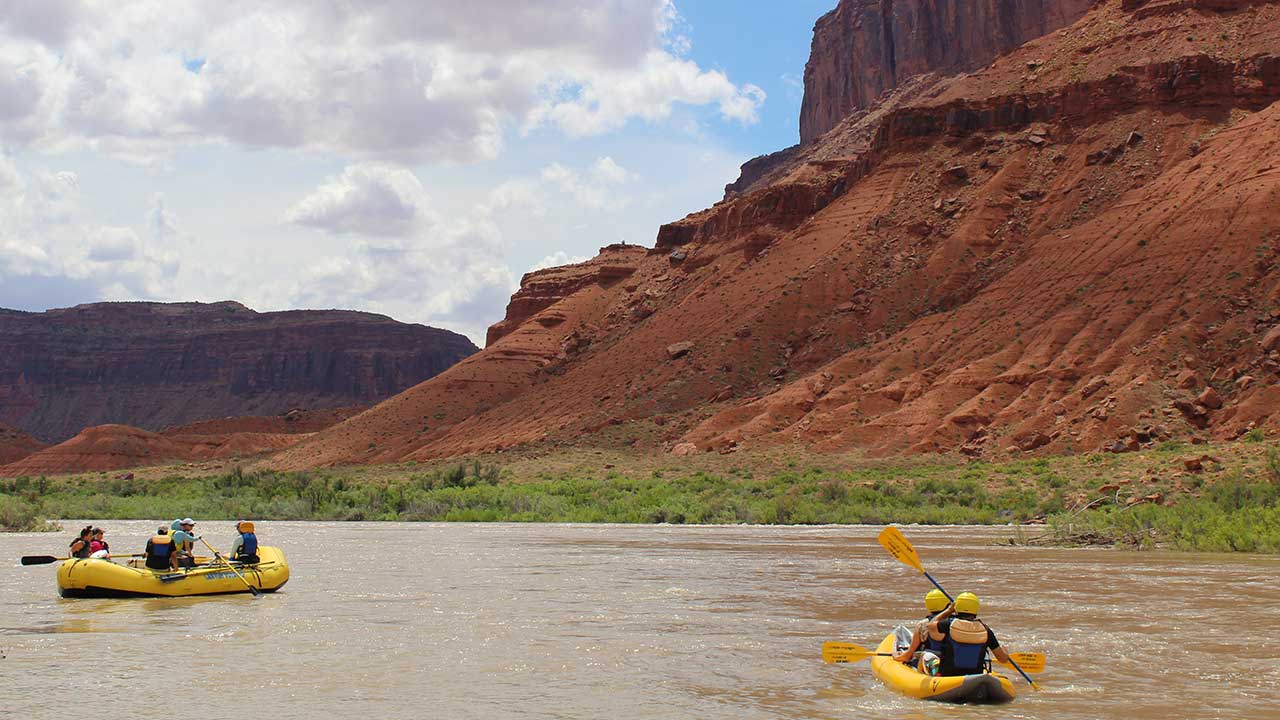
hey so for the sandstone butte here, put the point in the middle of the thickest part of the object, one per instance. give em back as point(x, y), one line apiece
point(1064, 245)
point(1058, 251)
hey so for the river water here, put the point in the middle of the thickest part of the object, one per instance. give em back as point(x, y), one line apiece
point(407, 620)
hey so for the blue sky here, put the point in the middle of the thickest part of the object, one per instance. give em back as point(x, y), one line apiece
point(313, 154)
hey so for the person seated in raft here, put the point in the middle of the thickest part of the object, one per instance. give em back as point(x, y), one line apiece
point(98, 547)
point(161, 554)
point(929, 660)
point(184, 542)
point(80, 546)
point(965, 638)
point(245, 547)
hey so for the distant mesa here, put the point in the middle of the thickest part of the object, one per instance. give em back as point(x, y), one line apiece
point(154, 365)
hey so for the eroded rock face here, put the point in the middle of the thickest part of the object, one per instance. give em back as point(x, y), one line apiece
point(864, 48)
point(16, 444)
point(863, 292)
point(151, 365)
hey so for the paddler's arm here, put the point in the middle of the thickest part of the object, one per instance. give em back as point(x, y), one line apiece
point(905, 655)
point(933, 624)
point(1001, 654)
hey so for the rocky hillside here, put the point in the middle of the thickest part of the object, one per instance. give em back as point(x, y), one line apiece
point(153, 365)
point(114, 447)
point(865, 48)
point(15, 444)
point(1072, 248)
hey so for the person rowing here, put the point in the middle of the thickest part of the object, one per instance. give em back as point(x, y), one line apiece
point(161, 552)
point(184, 542)
point(965, 638)
point(80, 547)
point(930, 651)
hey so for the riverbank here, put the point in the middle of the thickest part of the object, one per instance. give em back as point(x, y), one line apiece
point(1220, 498)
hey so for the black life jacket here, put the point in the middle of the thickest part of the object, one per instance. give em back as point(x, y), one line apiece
point(83, 552)
point(965, 647)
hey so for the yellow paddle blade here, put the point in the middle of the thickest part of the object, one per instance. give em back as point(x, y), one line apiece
point(1030, 662)
point(892, 539)
point(844, 652)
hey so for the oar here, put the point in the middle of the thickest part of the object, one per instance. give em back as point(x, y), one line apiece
point(892, 540)
point(47, 559)
point(1031, 662)
point(252, 590)
point(897, 544)
point(834, 651)
point(839, 651)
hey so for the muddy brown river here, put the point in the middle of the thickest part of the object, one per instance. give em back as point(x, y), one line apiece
point(404, 620)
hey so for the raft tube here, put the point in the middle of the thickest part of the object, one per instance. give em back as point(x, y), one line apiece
point(985, 688)
point(94, 578)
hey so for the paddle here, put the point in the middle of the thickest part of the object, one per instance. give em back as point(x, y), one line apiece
point(47, 559)
point(834, 651)
point(838, 651)
point(252, 590)
point(897, 545)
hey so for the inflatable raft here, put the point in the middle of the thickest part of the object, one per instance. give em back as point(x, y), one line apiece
point(103, 578)
point(988, 687)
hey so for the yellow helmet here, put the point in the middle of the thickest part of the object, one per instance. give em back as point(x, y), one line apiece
point(244, 526)
point(935, 601)
point(967, 602)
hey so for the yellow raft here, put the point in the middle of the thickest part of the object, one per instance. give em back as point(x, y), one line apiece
point(984, 688)
point(103, 578)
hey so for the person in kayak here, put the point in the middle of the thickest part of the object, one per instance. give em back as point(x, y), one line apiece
point(965, 638)
point(184, 542)
point(160, 551)
point(245, 547)
point(80, 546)
point(930, 651)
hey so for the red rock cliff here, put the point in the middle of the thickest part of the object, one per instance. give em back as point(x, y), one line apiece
point(152, 365)
point(864, 48)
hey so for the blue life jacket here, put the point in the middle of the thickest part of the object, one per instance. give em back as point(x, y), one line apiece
point(965, 647)
point(161, 546)
point(250, 546)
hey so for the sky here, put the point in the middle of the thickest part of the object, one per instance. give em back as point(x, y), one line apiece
point(407, 157)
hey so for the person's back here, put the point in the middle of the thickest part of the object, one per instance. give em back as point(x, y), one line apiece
point(80, 547)
point(965, 639)
point(924, 652)
point(245, 546)
point(160, 551)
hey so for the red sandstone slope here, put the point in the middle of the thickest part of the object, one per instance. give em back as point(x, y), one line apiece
point(151, 364)
point(114, 447)
point(865, 48)
point(15, 444)
point(1073, 248)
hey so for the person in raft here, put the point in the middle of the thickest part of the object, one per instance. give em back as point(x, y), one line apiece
point(80, 546)
point(98, 547)
point(161, 554)
point(965, 638)
point(929, 659)
point(245, 547)
point(184, 541)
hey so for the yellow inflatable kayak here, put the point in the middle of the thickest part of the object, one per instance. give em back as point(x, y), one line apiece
point(103, 578)
point(984, 688)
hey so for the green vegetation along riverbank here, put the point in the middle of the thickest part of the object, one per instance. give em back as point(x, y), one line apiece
point(1229, 502)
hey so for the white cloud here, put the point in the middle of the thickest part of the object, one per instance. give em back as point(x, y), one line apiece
point(407, 80)
point(557, 259)
point(598, 189)
point(366, 199)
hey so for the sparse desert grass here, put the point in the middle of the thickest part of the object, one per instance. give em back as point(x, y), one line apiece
point(1233, 505)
